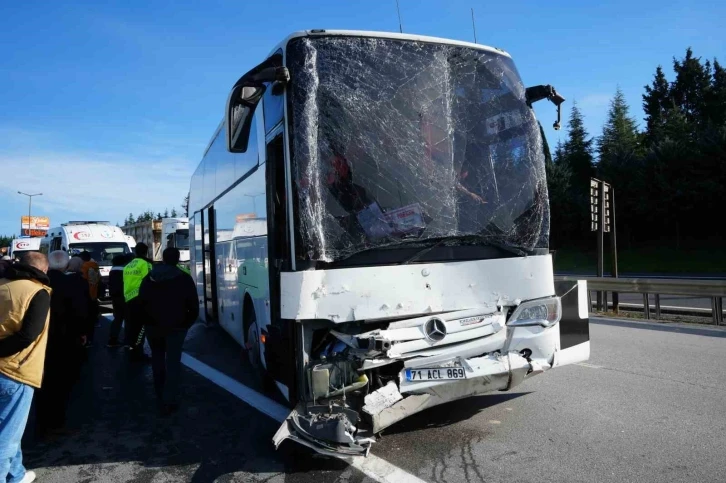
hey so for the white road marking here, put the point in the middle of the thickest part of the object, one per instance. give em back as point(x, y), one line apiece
point(585, 364)
point(372, 466)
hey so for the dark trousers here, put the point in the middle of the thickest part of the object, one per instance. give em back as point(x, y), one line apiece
point(166, 352)
point(92, 319)
point(62, 368)
point(135, 325)
point(119, 313)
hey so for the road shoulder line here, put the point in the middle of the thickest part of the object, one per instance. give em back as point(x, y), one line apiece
point(372, 466)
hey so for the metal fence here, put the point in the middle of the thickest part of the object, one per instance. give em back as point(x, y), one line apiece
point(712, 289)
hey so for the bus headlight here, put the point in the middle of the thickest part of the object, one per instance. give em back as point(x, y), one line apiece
point(544, 312)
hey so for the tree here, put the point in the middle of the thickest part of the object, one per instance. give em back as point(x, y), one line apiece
point(174, 214)
point(558, 188)
point(166, 213)
point(130, 220)
point(577, 149)
point(185, 205)
point(656, 103)
point(158, 217)
point(690, 90)
point(716, 99)
point(619, 141)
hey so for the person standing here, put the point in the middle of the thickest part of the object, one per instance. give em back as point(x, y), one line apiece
point(92, 273)
point(168, 299)
point(134, 273)
point(24, 320)
point(116, 290)
point(74, 272)
point(5, 263)
point(66, 336)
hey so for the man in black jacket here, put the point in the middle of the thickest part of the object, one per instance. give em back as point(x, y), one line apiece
point(116, 290)
point(168, 298)
point(67, 333)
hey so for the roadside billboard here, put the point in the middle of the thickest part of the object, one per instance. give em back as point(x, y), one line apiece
point(34, 226)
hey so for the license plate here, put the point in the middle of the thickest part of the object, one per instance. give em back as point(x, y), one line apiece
point(435, 374)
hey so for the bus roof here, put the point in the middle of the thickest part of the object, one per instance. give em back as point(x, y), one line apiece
point(385, 35)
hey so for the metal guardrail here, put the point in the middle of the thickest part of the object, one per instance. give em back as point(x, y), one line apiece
point(713, 289)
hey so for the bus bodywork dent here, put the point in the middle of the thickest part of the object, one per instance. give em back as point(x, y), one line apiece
point(360, 384)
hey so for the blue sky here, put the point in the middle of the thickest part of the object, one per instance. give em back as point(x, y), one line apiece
point(106, 107)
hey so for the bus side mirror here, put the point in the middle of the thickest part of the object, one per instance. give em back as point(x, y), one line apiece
point(243, 100)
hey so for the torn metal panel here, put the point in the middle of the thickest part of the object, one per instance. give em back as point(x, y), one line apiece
point(397, 141)
point(381, 399)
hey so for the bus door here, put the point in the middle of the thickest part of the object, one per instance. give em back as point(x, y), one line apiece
point(210, 266)
point(280, 347)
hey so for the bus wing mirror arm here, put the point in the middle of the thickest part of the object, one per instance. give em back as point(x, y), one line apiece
point(537, 93)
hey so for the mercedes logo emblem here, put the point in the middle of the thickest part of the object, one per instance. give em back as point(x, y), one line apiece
point(435, 329)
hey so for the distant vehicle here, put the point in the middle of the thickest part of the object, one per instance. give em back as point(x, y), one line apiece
point(102, 239)
point(175, 233)
point(130, 240)
point(21, 246)
point(371, 222)
point(160, 234)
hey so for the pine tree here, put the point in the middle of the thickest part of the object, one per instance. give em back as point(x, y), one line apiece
point(578, 150)
point(716, 100)
point(166, 213)
point(174, 214)
point(619, 140)
point(691, 88)
point(656, 103)
point(185, 205)
point(558, 188)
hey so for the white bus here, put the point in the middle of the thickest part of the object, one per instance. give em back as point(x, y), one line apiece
point(403, 260)
point(103, 240)
point(21, 246)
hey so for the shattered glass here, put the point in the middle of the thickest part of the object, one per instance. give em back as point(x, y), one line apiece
point(400, 142)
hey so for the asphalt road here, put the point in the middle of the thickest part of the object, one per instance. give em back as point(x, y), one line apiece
point(648, 406)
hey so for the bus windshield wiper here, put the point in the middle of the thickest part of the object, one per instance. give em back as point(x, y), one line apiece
point(508, 249)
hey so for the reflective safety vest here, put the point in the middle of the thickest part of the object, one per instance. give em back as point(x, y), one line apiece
point(184, 269)
point(134, 273)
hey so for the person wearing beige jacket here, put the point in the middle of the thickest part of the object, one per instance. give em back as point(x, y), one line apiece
point(24, 317)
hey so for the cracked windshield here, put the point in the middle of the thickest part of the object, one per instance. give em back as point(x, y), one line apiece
point(398, 142)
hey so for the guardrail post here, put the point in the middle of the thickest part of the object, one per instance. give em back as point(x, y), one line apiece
point(657, 306)
point(646, 305)
point(717, 309)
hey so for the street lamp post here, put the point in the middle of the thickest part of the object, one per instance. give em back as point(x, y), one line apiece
point(30, 201)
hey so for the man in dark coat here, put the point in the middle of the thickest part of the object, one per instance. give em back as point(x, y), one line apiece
point(168, 298)
point(66, 336)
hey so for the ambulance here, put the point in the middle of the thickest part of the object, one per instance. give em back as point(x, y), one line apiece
point(103, 240)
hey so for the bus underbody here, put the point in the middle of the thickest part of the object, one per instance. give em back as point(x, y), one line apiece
point(364, 373)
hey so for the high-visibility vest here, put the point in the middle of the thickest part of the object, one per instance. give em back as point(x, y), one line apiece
point(184, 269)
point(134, 274)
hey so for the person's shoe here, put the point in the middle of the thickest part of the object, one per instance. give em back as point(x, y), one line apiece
point(29, 477)
point(113, 343)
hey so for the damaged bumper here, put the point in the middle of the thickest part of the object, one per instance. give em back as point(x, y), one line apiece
point(366, 382)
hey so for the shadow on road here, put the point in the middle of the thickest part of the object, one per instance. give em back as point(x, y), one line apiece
point(451, 413)
point(119, 436)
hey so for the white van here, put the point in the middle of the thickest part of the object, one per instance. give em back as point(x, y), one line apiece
point(103, 240)
point(21, 246)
